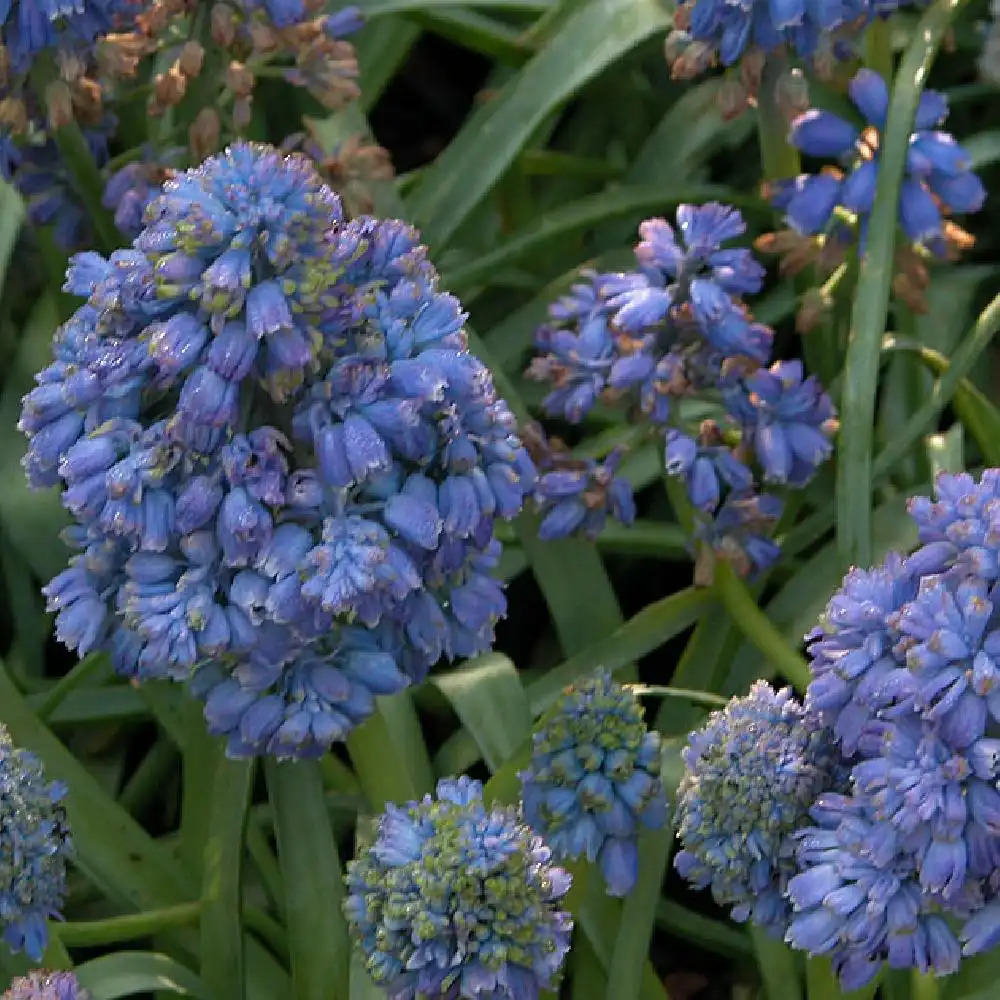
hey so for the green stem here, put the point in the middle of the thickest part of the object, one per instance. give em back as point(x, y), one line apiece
point(924, 987)
point(871, 303)
point(821, 983)
point(94, 933)
point(757, 627)
point(56, 956)
point(93, 666)
point(779, 158)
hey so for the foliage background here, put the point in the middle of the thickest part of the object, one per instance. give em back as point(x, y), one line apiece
point(530, 138)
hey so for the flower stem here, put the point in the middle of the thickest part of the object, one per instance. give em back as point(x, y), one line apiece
point(732, 592)
point(91, 933)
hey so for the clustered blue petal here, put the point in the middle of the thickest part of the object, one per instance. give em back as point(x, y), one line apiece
point(751, 775)
point(578, 495)
point(725, 32)
point(594, 779)
point(837, 204)
point(456, 900)
point(905, 666)
point(674, 327)
point(283, 464)
point(28, 27)
point(47, 986)
point(34, 846)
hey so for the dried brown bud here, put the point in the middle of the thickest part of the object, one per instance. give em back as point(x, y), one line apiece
point(733, 98)
point(263, 38)
point(242, 113)
point(88, 100)
point(203, 136)
point(223, 22)
point(14, 115)
point(119, 55)
point(812, 309)
point(59, 104)
point(752, 69)
point(4, 67)
point(239, 79)
point(168, 90)
point(191, 59)
point(792, 94)
point(908, 293)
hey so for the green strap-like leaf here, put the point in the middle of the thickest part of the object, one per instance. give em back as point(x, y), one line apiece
point(310, 869)
point(594, 37)
point(230, 788)
point(860, 382)
point(489, 699)
point(126, 974)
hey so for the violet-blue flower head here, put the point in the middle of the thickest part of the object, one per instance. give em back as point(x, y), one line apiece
point(454, 900)
point(594, 779)
point(938, 176)
point(289, 570)
point(41, 985)
point(751, 775)
point(34, 846)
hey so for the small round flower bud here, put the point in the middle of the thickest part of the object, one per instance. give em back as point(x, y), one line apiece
point(58, 104)
point(168, 89)
point(191, 59)
point(203, 136)
point(751, 775)
point(594, 778)
point(223, 25)
point(456, 900)
point(239, 79)
point(792, 94)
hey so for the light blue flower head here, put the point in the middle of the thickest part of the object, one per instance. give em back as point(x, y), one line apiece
point(47, 986)
point(34, 846)
point(751, 775)
point(594, 779)
point(283, 464)
point(456, 900)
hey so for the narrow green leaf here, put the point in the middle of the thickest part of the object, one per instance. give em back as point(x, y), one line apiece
point(976, 978)
point(221, 894)
point(860, 383)
point(757, 627)
point(127, 973)
point(778, 966)
point(310, 868)
point(11, 217)
point(720, 937)
point(113, 930)
point(491, 703)
point(980, 417)
point(821, 981)
point(389, 755)
point(628, 961)
point(362, 985)
point(584, 214)
point(594, 37)
point(121, 858)
point(652, 627)
point(946, 452)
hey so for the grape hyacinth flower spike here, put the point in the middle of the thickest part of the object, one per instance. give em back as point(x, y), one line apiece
point(453, 899)
point(34, 846)
point(282, 462)
point(829, 211)
point(594, 779)
point(751, 775)
point(47, 986)
point(676, 327)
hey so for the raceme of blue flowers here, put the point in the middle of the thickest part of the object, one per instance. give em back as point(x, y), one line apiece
point(282, 462)
point(874, 833)
point(35, 844)
point(47, 986)
point(652, 338)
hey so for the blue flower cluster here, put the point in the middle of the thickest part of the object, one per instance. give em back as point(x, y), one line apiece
point(594, 779)
point(34, 845)
point(453, 900)
point(47, 986)
point(751, 775)
point(898, 862)
point(674, 327)
point(283, 464)
point(28, 27)
point(837, 204)
point(710, 31)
